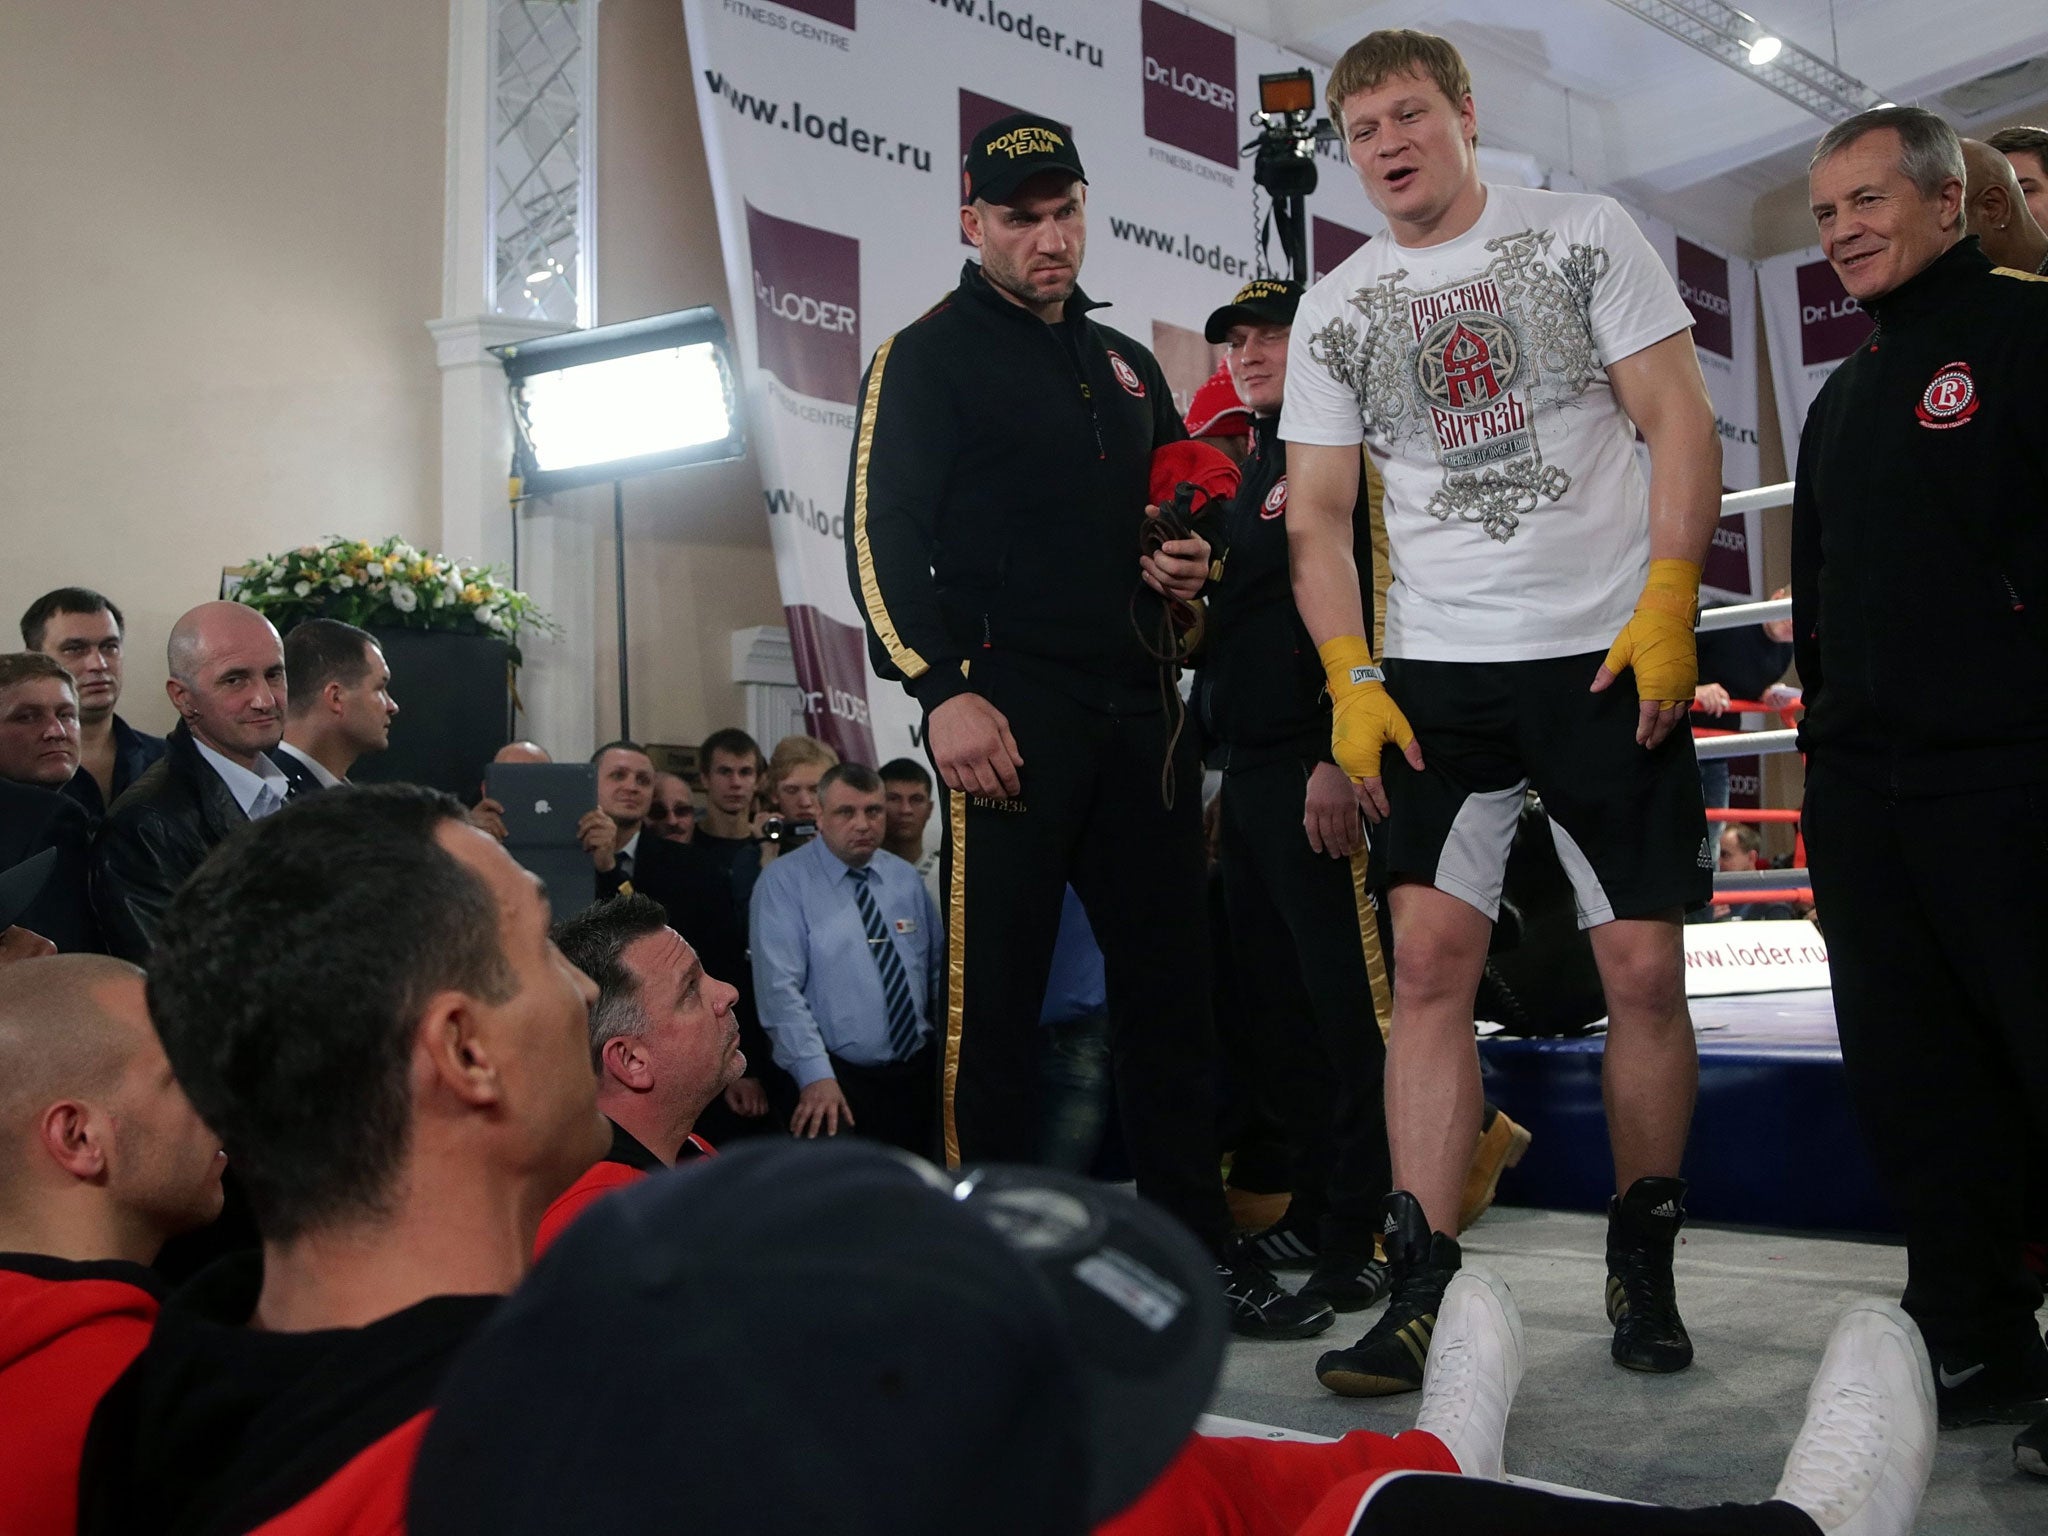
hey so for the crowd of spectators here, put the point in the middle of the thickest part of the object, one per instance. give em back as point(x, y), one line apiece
point(411, 1136)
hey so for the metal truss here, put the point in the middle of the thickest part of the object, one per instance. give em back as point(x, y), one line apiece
point(1724, 33)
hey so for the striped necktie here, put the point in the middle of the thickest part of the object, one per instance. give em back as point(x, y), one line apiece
point(904, 1027)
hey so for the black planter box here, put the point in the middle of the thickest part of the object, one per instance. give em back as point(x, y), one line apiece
point(454, 710)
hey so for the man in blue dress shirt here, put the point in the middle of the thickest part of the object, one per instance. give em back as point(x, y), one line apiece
point(847, 958)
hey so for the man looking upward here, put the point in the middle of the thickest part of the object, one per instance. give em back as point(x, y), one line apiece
point(1497, 355)
point(663, 1041)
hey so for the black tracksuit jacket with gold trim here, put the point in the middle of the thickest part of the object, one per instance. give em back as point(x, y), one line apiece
point(1000, 473)
point(1920, 538)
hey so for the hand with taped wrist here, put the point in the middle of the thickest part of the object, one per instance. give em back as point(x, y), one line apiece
point(1658, 644)
point(1363, 719)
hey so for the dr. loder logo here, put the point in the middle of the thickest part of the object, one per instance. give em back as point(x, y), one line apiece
point(1190, 84)
point(838, 13)
point(806, 306)
point(1831, 324)
point(1703, 284)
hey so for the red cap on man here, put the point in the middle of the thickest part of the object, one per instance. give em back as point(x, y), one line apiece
point(1216, 410)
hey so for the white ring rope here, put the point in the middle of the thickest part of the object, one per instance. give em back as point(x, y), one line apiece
point(1745, 744)
point(1738, 616)
point(1762, 499)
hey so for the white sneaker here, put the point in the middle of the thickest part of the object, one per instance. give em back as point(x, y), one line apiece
point(1863, 1455)
point(1475, 1365)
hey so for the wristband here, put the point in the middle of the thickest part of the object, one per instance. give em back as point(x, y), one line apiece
point(1348, 664)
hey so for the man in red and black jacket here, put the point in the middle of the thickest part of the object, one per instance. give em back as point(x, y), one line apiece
point(998, 488)
point(360, 995)
point(101, 1160)
point(664, 1038)
point(1919, 589)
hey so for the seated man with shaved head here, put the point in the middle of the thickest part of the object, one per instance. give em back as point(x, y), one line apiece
point(227, 683)
point(101, 1159)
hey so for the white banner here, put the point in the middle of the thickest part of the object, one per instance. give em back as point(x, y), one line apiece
point(1771, 956)
point(1812, 324)
point(835, 131)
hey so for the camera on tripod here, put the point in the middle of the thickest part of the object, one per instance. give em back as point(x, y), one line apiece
point(1284, 157)
point(1289, 129)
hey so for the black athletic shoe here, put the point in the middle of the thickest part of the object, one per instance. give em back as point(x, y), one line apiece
point(1287, 1244)
point(2006, 1390)
point(2030, 1449)
point(1642, 1301)
point(1390, 1357)
point(1350, 1282)
point(1259, 1308)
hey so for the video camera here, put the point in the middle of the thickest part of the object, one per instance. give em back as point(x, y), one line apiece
point(1284, 162)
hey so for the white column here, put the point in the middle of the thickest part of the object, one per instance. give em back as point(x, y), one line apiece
point(555, 545)
point(765, 668)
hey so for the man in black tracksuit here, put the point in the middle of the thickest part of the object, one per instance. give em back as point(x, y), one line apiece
point(1304, 932)
point(1919, 599)
point(997, 491)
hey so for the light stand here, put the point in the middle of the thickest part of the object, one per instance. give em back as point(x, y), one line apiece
point(619, 401)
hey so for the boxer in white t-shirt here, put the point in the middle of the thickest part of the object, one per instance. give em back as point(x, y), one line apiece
point(1497, 353)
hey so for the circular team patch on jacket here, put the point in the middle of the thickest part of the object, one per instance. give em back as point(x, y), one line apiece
point(1950, 400)
point(1276, 500)
point(1127, 376)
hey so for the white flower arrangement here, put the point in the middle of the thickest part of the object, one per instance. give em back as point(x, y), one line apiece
point(389, 585)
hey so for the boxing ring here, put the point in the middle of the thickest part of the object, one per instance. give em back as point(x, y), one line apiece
point(1773, 1141)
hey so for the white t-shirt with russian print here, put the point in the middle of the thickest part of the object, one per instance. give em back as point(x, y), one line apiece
point(1475, 372)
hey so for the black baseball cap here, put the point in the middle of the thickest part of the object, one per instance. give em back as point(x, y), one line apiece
point(831, 1336)
point(1011, 150)
point(1262, 301)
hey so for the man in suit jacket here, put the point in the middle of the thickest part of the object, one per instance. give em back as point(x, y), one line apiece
point(341, 706)
point(227, 682)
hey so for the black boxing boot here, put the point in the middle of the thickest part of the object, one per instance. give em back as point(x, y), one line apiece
point(1390, 1357)
point(1642, 1300)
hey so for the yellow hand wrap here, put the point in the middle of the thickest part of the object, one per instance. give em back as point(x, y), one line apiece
point(1364, 715)
point(1658, 641)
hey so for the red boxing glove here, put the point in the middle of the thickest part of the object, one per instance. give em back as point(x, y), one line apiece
point(1203, 465)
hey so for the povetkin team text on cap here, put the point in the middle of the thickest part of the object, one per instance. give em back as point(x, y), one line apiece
point(1012, 150)
point(1262, 301)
